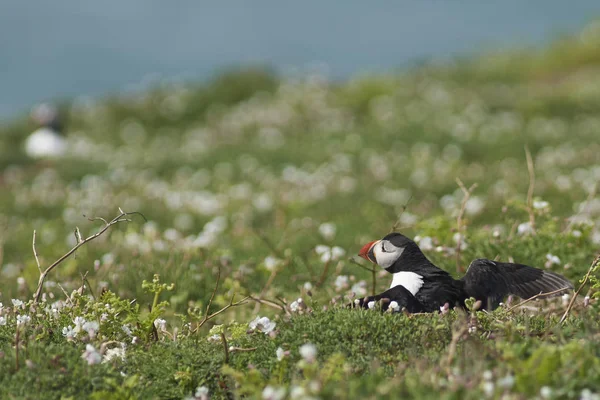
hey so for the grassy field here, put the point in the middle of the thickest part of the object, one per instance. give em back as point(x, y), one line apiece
point(243, 181)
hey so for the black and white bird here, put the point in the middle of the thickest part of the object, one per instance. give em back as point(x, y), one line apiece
point(419, 286)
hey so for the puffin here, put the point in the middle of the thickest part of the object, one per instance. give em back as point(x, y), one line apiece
point(48, 141)
point(419, 286)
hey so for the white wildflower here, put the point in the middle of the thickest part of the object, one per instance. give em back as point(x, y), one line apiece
point(360, 288)
point(68, 332)
point(201, 393)
point(273, 393)
point(23, 319)
point(91, 327)
point(525, 228)
point(488, 388)
point(297, 305)
point(341, 282)
point(329, 253)
point(127, 329)
point(79, 321)
point(17, 303)
point(371, 305)
point(587, 394)
point(308, 352)
point(552, 259)
point(546, 392)
point(262, 324)
point(272, 262)
point(308, 286)
point(487, 375)
point(2, 321)
point(114, 353)
point(281, 354)
point(297, 393)
point(337, 253)
point(540, 204)
point(322, 249)
point(160, 324)
point(565, 299)
point(474, 205)
point(327, 230)
point(425, 243)
point(394, 306)
point(507, 382)
point(214, 338)
point(91, 355)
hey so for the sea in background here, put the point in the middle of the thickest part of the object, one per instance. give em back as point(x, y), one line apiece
point(67, 48)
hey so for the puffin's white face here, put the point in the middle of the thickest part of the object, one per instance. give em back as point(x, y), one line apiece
point(381, 252)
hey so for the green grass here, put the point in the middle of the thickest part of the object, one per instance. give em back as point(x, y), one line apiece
point(249, 166)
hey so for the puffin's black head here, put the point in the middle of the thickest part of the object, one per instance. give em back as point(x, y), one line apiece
point(385, 252)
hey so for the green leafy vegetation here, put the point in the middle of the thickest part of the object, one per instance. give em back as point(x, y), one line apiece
point(257, 192)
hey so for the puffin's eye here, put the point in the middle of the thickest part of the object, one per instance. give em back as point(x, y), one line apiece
point(383, 247)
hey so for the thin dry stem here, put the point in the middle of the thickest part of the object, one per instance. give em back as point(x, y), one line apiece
point(208, 317)
point(269, 303)
point(459, 219)
point(225, 348)
point(397, 223)
point(535, 297)
point(585, 279)
point(107, 225)
point(37, 260)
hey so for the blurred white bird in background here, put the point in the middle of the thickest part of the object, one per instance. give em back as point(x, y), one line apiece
point(46, 141)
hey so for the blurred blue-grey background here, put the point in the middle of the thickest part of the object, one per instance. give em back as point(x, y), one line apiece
point(54, 49)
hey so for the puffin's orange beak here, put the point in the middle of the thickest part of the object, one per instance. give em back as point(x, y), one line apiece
point(366, 252)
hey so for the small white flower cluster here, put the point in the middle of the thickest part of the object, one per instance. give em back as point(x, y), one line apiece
point(23, 320)
point(272, 263)
point(262, 324)
point(160, 324)
point(489, 387)
point(81, 325)
point(281, 354)
point(587, 394)
point(273, 393)
point(327, 231)
point(341, 283)
point(91, 355)
point(17, 303)
point(298, 305)
point(308, 352)
point(116, 353)
point(551, 260)
point(329, 253)
point(425, 243)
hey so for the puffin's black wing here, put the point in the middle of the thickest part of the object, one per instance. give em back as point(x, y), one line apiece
point(490, 281)
point(399, 294)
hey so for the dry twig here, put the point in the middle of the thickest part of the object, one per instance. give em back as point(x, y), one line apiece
point(397, 223)
point(585, 279)
point(207, 316)
point(535, 297)
point(122, 217)
point(37, 260)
